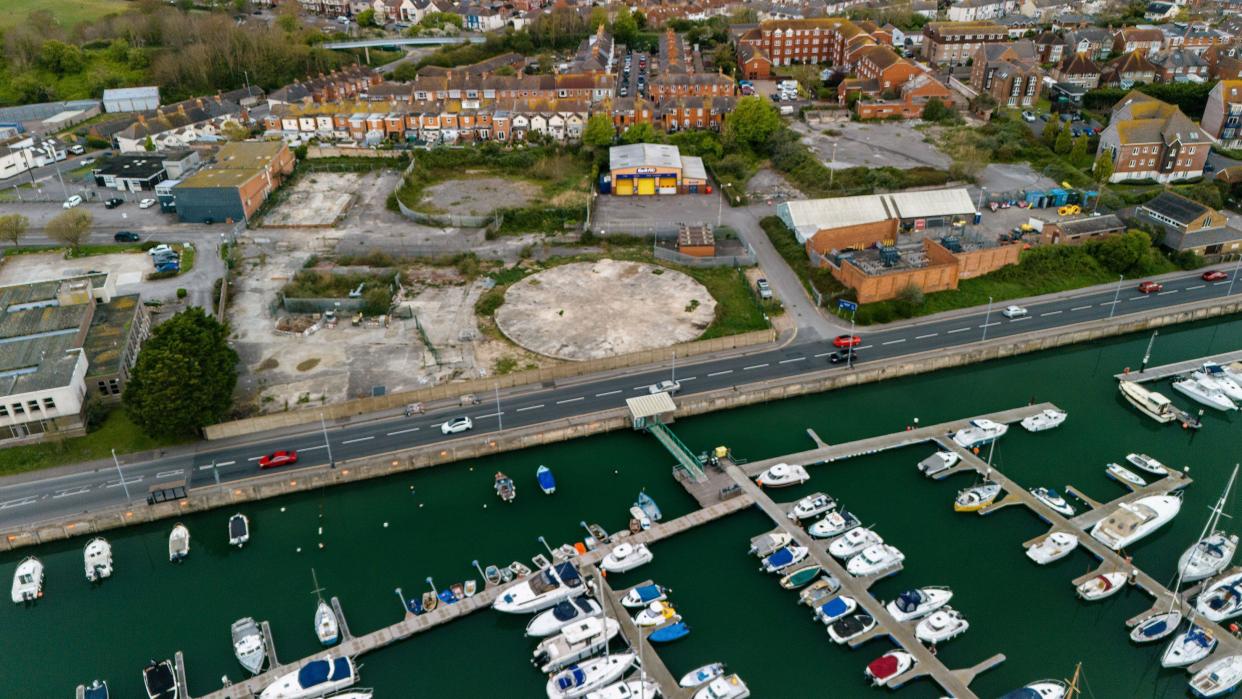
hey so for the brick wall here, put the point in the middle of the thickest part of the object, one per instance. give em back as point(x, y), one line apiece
point(861, 235)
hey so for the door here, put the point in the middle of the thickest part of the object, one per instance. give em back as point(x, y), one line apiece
point(666, 182)
point(624, 188)
point(647, 185)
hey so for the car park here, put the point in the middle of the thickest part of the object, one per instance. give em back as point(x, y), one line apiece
point(844, 341)
point(278, 458)
point(113, 202)
point(1014, 312)
point(671, 387)
point(457, 424)
point(1150, 287)
point(72, 201)
point(1214, 275)
point(126, 237)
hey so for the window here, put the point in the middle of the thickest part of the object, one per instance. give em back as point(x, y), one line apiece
point(18, 409)
point(1131, 163)
point(1190, 151)
point(49, 404)
point(34, 405)
point(4, 411)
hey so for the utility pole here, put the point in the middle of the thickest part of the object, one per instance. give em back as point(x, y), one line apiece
point(1236, 268)
point(987, 317)
point(500, 423)
point(832, 169)
point(849, 353)
point(120, 475)
point(1116, 296)
point(323, 426)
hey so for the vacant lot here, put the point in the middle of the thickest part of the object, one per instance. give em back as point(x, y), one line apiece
point(67, 12)
point(478, 196)
point(316, 199)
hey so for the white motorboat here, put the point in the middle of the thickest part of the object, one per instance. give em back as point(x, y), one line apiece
point(1225, 381)
point(784, 558)
point(313, 679)
point(819, 591)
point(1101, 586)
point(1222, 599)
point(1044, 420)
point(976, 497)
point(1208, 556)
point(627, 689)
point(248, 644)
point(887, 667)
point(577, 680)
point(1189, 647)
point(1219, 678)
point(918, 603)
point(178, 543)
point(833, 524)
point(626, 557)
point(546, 588)
point(812, 505)
point(942, 625)
point(1043, 689)
point(552, 620)
point(637, 515)
point(1154, 405)
point(327, 629)
point(642, 595)
point(97, 558)
point(981, 432)
point(1148, 464)
point(28, 580)
point(656, 614)
point(1201, 393)
point(1132, 521)
point(239, 530)
point(1121, 474)
point(727, 687)
point(1053, 547)
point(874, 560)
point(702, 675)
point(843, 631)
point(579, 640)
point(836, 608)
point(853, 541)
point(783, 475)
point(939, 462)
point(1053, 499)
point(764, 544)
point(1154, 627)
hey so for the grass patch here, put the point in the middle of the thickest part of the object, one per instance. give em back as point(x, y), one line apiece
point(115, 431)
point(67, 12)
point(786, 243)
point(308, 364)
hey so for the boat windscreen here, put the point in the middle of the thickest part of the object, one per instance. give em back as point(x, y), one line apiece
point(909, 600)
point(340, 668)
point(568, 573)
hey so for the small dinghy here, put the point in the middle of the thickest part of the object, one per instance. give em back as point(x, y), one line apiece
point(1189, 648)
point(1148, 464)
point(668, 634)
point(782, 476)
point(1101, 586)
point(1156, 627)
point(702, 675)
point(505, 489)
point(518, 569)
point(800, 577)
point(430, 601)
point(471, 587)
point(853, 541)
point(918, 603)
point(885, 668)
point(492, 575)
point(178, 543)
point(843, 631)
point(938, 463)
point(626, 557)
point(819, 591)
point(639, 521)
point(944, 624)
point(656, 614)
point(1121, 474)
point(836, 608)
point(764, 544)
point(97, 557)
point(1053, 499)
point(648, 506)
point(239, 530)
point(551, 621)
point(783, 558)
point(159, 681)
point(1053, 547)
point(833, 524)
point(976, 497)
point(1219, 678)
point(27, 581)
point(547, 482)
point(812, 505)
point(1044, 420)
point(643, 595)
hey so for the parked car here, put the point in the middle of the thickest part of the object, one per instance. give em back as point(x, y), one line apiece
point(113, 202)
point(147, 203)
point(666, 386)
point(843, 356)
point(1150, 287)
point(844, 341)
point(1214, 275)
point(1028, 116)
point(765, 290)
point(72, 201)
point(1014, 312)
point(278, 458)
point(168, 267)
point(77, 149)
point(126, 237)
point(457, 424)
point(161, 248)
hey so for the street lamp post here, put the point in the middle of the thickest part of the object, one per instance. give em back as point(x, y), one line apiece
point(987, 317)
point(324, 426)
point(849, 352)
point(832, 169)
point(1236, 268)
point(1116, 296)
point(120, 475)
point(500, 423)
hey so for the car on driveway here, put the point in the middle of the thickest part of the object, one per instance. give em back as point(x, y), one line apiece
point(1214, 275)
point(457, 424)
point(1150, 287)
point(843, 341)
point(664, 387)
point(72, 201)
point(765, 289)
point(146, 203)
point(126, 237)
point(843, 356)
point(278, 458)
point(160, 249)
point(1028, 116)
point(1013, 312)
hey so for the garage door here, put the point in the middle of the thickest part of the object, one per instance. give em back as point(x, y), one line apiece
point(624, 187)
point(647, 185)
point(666, 182)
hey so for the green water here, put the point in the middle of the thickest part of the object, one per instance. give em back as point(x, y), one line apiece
point(439, 520)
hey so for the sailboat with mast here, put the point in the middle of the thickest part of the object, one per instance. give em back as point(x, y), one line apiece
point(1049, 689)
point(327, 628)
point(1214, 550)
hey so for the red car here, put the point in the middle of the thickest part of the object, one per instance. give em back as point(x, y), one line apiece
point(1214, 275)
point(1150, 287)
point(278, 458)
point(846, 341)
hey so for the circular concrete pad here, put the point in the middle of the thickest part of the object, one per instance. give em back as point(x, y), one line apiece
point(589, 310)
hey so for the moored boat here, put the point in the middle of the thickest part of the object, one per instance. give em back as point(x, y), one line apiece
point(672, 632)
point(836, 608)
point(158, 680)
point(1153, 404)
point(801, 576)
point(27, 580)
point(492, 575)
point(1203, 393)
point(97, 689)
point(874, 560)
point(471, 586)
point(649, 507)
point(1207, 557)
point(1219, 678)
point(1044, 420)
point(642, 595)
point(1101, 586)
point(812, 505)
point(577, 680)
point(702, 675)
point(1156, 626)
point(764, 544)
point(545, 589)
point(239, 530)
point(980, 432)
point(833, 524)
point(1132, 521)
point(727, 687)
point(1043, 689)
point(248, 644)
point(178, 543)
point(547, 482)
point(1222, 599)
point(97, 558)
point(625, 557)
point(517, 569)
point(505, 489)
point(938, 462)
point(627, 689)
point(853, 541)
point(844, 630)
point(942, 625)
point(1188, 648)
point(655, 614)
point(976, 497)
point(783, 475)
point(555, 618)
point(328, 630)
point(579, 640)
point(314, 678)
point(1053, 499)
point(919, 602)
point(1053, 547)
point(1148, 464)
point(1220, 378)
point(1122, 474)
point(817, 592)
point(889, 666)
point(784, 558)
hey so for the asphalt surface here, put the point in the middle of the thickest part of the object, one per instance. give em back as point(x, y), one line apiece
point(56, 496)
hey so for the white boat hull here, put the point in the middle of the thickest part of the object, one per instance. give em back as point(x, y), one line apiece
point(1203, 395)
point(1101, 586)
point(597, 674)
point(1053, 547)
point(1207, 557)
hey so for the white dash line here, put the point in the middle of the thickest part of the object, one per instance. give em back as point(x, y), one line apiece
point(988, 325)
point(225, 463)
point(924, 337)
point(958, 330)
point(529, 407)
point(256, 458)
point(893, 342)
point(353, 441)
point(166, 474)
point(753, 366)
point(1197, 286)
point(1050, 313)
point(1083, 308)
point(1165, 293)
point(791, 361)
point(1014, 320)
point(1219, 283)
point(607, 393)
point(862, 347)
point(688, 378)
point(721, 373)
point(409, 429)
point(570, 400)
point(821, 354)
point(319, 446)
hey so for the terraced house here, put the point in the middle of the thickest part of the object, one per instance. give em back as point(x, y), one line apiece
point(1148, 139)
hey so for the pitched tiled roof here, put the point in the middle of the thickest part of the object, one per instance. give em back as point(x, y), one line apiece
point(1078, 64)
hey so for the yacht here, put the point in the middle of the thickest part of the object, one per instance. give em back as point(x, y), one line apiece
point(547, 482)
point(1044, 420)
point(1152, 404)
point(853, 541)
point(577, 680)
point(178, 543)
point(885, 668)
point(239, 530)
point(1043, 689)
point(783, 558)
point(1218, 678)
point(939, 462)
point(158, 680)
point(801, 576)
point(97, 689)
point(1219, 376)
point(874, 559)
point(1053, 499)
point(843, 631)
point(1189, 648)
point(1132, 521)
point(981, 432)
point(764, 544)
point(812, 505)
point(327, 629)
point(836, 608)
point(655, 614)
point(783, 475)
point(1101, 586)
point(1121, 474)
point(626, 557)
point(817, 592)
point(563, 613)
point(581, 639)
point(627, 689)
point(1148, 464)
point(942, 625)
point(918, 603)
point(702, 675)
point(976, 497)
point(1222, 599)
point(1214, 550)
point(1156, 626)
point(642, 595)
point(727, 687)
point(97, 558)
point(1053, 547)
point(28, 580)
point(314, 679)
point(1203, 393)
point(545, 589)
point(833, 524)
point(248, 645)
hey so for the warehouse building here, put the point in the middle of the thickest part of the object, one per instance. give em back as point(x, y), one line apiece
point(131, 99)
point(234, 186)
point(841, 223)
point(130, 173)
point(652, 168)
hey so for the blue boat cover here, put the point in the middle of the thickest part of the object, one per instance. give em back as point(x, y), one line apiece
point(672, 632)
point(833, 607)
point(909, 600)
point(568, 573)
point(313, 673)
point(1052, 493)
point(447, 596)
point(340, 668)
point(573, 677)
point(564, 611)
point(100, 692)
point(1196, 635)
point(646, 593)
point(1155, 627)
point(783, 557)
point(1022, 693)
point(648, 506)
point(544, 476)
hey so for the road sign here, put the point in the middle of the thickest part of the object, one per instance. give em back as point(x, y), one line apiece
point(846, 305)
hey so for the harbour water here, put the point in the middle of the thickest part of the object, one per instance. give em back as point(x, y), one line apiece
point(394, 532)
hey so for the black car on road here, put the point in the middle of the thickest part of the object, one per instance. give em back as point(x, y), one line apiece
point(843, 356)
point(113, 202)
point(126, 237)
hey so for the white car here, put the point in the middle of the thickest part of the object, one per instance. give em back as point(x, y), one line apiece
point(1028, 116)
point(160, 250)
point(1014, 312)
point(146, 203)
point(72, 201)
point(664, 387)
point(77, 150)
point(457, 424)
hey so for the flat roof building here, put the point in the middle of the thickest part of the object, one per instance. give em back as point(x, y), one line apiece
point(654, 168)
point(131, 99)
point(131, 173)
point(233, 186)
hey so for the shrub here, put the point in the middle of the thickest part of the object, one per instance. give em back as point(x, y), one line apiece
point(182, 293)
point(490, 301)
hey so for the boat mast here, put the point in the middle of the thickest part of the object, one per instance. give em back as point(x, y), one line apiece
point(1073, 690)
point(1147, 354)
point(318, 590)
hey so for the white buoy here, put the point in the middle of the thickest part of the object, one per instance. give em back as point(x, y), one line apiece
point(385, 525)
point(282, 509)
point(485, 506)
point(420, 504)
point(321, 531)
point(321, 546)
point(299, 549)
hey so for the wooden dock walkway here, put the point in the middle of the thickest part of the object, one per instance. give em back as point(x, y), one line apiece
point(653, 668)
point(1165, 371)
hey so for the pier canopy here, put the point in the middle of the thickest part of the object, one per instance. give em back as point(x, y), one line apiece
point(649, 409)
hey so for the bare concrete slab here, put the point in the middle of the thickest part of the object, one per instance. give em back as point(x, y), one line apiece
point(316, 199)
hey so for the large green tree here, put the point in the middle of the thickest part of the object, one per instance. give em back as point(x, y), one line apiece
point(641, 133)
point(184, 376)
point(625, 26)
point(1103, 166)
point(752, 122)
point(599, 131)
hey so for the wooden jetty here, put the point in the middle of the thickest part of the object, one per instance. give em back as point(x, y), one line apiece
point(652, 666)
point(269, 644)
point(1167, 370)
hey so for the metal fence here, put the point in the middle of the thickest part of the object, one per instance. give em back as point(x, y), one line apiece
point(641, 227)
point(346, 305)
point(458, 220)
point(747, 259)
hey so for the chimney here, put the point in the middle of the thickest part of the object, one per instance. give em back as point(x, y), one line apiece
point(142, 119)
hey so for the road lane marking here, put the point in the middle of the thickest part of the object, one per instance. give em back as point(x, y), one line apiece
point(317, 446)
point(18, 503)
point(721, 373)
point(688, 378)
point(226, 463)
point(1170, 291)
point(75, 491)
point(1049, 313)
point(491, 415)
point(410, 429)
point(1136, 298)
point(642, 388)
point(166, 474)
point(1014, 320)
point(1083, 308)
point(254, 458)
point(205, 467)
point(821, 354)
point(988, 325)
point(359, 439)
point(127, 482)
point(1199, 286)
point(753, 366)
point(1219, 283)
point(893, 342)
point(790, 361)
point(924, 337)
point(570, 400)
point(863, 347)
point(607, 393)
point(529, 407)
point(958, 330)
